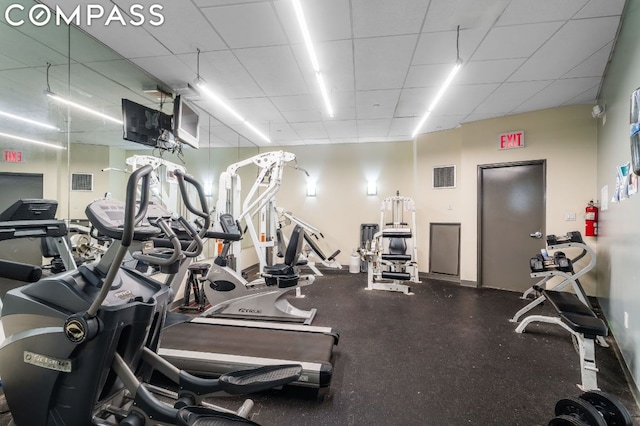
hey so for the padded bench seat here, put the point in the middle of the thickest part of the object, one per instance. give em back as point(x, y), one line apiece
point(580, 320)
point(400, 257)
point(579, 317)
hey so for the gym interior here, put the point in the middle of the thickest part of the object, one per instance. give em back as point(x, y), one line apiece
point(320, 212)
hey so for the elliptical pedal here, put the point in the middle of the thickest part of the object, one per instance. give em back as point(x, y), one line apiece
point(259, 379)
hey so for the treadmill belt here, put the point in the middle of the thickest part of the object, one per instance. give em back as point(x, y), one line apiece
point(244, 341)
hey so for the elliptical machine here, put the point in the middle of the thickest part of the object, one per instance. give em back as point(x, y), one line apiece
point(81, 344)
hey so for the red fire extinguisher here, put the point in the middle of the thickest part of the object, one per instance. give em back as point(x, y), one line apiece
point(591, 220)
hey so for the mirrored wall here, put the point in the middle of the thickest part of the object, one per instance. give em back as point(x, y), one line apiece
point(80, 156)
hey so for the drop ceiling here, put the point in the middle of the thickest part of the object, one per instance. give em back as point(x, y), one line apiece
point(382, 60)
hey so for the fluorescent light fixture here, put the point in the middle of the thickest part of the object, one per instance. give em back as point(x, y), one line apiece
point(80, 107)
point(20, 138)
point(372, 187)
point(28, 120)
point(312, 54)
point(311, 189)
point(435, 100)
point(217, 99)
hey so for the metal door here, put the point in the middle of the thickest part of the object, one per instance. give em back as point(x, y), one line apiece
point(511, 208)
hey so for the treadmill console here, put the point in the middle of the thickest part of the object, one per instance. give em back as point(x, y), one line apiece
point(30, 209)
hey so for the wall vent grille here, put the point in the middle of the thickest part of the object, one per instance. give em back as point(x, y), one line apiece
point(82, 182)
point(444, 177)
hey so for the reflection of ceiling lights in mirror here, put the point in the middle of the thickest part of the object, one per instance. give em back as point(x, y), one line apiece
point(312, 54)
point(28, 120)
point(213, 96)
point(20, 138)
point(80, 107)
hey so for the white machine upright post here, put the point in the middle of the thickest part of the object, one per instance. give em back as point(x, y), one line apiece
point(258, 200)
point(392, 254)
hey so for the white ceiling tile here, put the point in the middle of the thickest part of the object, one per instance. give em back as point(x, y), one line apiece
point(428, 75)
point(438, 123)
point(348, 113)
point(174, 34)
point(402, 127)
point(302, 116)
point(463, 99)
point(593, 66)
point(373, 128)
point(376, 103)
point(169, 69)
point(341, 129)
point(224, 73)
point(597, 8)
point(526, 11)
point(326, 19)
point(414, 102)
point(446, 15)
point(247, 25)
point(282, 132)
point(440, 47)
point(311, 130)
point(480, 72)
point(568, 48)
point(381, 63)
point(589, 96)
point(274, 69)
point(508, 96)
point(477, 117)
point(558, 93)
point(258, 110)
point(517, 41)
point(212, 3)
point(376, 18)
point(294, 103)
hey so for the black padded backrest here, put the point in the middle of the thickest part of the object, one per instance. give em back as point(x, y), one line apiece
point(397, 246)
point(295, 246)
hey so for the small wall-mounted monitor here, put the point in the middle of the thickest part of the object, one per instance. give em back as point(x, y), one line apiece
point(145, 125)
point(186, 122)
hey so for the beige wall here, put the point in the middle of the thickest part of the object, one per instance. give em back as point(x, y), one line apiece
point(565, 137)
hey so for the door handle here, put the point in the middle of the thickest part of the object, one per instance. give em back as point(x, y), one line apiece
point(536, 234)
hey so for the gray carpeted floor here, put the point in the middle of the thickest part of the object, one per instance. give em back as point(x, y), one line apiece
point(446, 355)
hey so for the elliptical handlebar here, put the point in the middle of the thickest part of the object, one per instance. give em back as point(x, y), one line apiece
point(131, 219)
point(203, 212)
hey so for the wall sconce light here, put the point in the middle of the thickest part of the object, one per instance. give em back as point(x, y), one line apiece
point(372, 188)
point(311, 189)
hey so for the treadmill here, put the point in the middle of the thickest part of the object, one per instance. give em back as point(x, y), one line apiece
point(212, 346)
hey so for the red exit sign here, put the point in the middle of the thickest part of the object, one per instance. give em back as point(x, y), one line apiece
point(511, 140)
point(13, 156)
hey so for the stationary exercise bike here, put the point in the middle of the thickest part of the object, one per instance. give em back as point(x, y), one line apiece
point(81, 345)
point(231, 296)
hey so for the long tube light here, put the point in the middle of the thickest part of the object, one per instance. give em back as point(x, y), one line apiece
point(217, 99)
point(312, 54)
point(81, 107)
point(20, 138)
point(28, 120)
point(435, 100)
